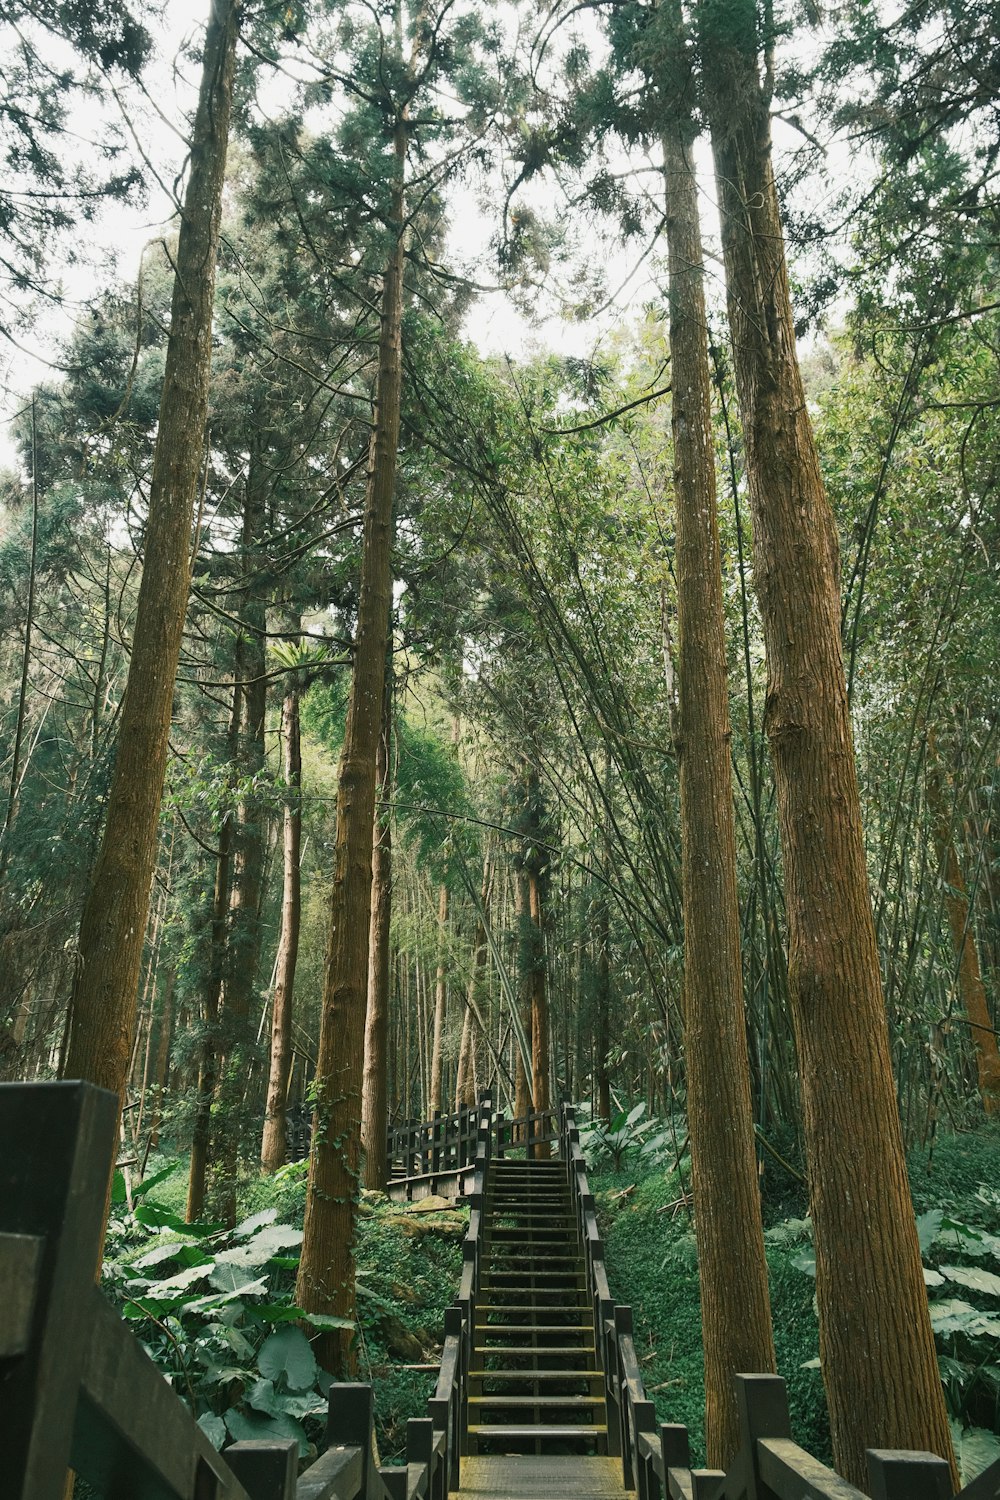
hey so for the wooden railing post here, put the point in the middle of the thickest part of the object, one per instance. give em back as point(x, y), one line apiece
point(763, 1409)
point(350, 1423)
point(420, 1446)
point(266, 1470)
point(58, 1140)
point(643, 1421)
point(902, 1474)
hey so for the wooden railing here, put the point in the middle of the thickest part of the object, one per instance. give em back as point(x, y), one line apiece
point(534, 1134)
point(429, 1155)
point(77, 1389)
point(769, 1465)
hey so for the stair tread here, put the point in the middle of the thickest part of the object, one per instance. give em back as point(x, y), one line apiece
point(574, 1403)
point(565, 1275)
point(534, 1327)
point(590, 1374)
point(547, 1351)
point(543, 1430)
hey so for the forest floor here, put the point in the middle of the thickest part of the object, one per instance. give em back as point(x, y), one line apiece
point(652, 1265)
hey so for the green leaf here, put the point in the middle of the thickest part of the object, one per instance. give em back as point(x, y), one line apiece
point(261, 1397)
point(155, 1216)
point(213, 1427)
point(118, 1194)
point(811, 1364)
point(804, 1261)
point(151, 1182)
point(173, 1285)
point(237, 1279)
point(255, 1222)
point(262, 1246)
point(243, 1428)
point(933, 1278)
point(326, 1320)
point(955, 1316)
point(928, 1225)
point(287, 1353)
point(975, 1448)
point(188, 1252)
point(975, 1279)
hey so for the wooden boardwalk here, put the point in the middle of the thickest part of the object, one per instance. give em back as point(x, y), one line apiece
point(550, 1477)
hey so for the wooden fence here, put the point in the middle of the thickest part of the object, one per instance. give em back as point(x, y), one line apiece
point(433, 1156)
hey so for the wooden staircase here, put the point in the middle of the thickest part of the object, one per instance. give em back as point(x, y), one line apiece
point(535, 1384)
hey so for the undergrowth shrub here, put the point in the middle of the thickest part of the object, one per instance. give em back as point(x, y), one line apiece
point(652, 1264)
point(215, 1307)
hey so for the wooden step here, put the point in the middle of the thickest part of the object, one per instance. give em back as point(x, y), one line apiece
point(534, 1351)
point(567, 1278)
point(541, 1377)
point(534, 1328)
point(542, 1431)
point(569, 1296)
point(534, 1403)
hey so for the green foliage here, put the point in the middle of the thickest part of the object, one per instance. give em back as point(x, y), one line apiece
point(630, 1135)
point(215, 1307)
point(652, 1264)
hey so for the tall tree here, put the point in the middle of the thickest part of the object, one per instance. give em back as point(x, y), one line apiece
point(375, 1083)
point(272, 1151)
point(876, 1346)
point(326, 1268)
point(732, 1269)
point(113, 925)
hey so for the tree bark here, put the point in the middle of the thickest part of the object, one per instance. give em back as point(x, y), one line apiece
point(736, 1313)
point(969, 976)
point(326, 1269)
point(273, 1143)
point(522, 917)
point(440, 1006)
point(540, 1030)
point(876, 1346)
point(602, 1006)
point(113, 925)
point(208, 1062)
point(162, 1062)
point(244, 929)
point(375, 1082)
point(465, 1080)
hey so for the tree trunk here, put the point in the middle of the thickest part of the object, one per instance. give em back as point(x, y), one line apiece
point(208, 1063)
point(440, 1006)
point(969, 975)
point(522, 917)
point(326, 1269)
point(113, 925)
point(465, 1080)
point(375, 1082)
point(162, 1062)
point(244, 930)
point(540, 1061)
point(736, 1313)
point(273, 1144)
point(602, 1006)
point(876, 1345)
